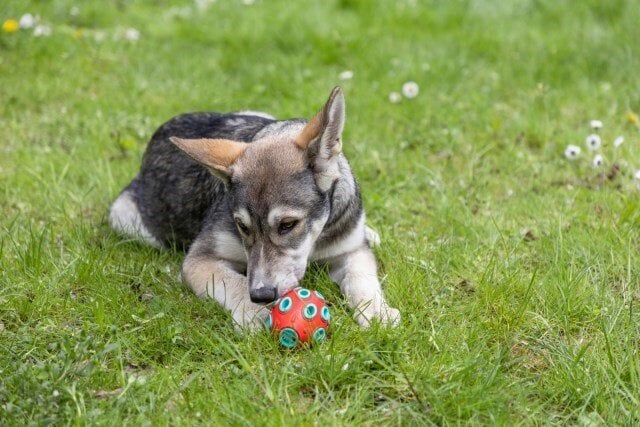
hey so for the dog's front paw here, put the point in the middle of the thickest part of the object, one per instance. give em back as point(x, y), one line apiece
point(373, 238)
point(250, 317)
point(381, 312)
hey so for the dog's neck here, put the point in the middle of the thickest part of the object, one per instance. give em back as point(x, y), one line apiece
point(346, 205)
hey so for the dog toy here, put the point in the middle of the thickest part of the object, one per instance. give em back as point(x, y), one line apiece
point(299, 316)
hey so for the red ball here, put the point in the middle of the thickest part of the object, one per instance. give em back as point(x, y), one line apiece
point(299, 316)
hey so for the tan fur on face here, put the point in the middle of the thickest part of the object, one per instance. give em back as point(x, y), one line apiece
point(267, 160)
point(217, 154)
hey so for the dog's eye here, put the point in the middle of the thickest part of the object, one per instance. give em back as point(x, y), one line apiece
point(243, 228)
point(286, 226)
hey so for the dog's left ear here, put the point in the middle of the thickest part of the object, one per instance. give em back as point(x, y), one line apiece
point(218, 155)
point(322, 140)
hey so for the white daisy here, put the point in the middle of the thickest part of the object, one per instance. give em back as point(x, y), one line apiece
point(204, 4)
point(132, 34)
point(27, 21)
point(410, 89)
point(572, 152)
point(42, 31)
point(598, 160)
point(395, 97)
point(618, 141)
point(596, 124)
point(346, 75)
point(593, 142)
point(636, 174)
point(99, 36)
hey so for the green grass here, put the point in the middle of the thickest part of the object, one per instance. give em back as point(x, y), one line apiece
point(497, 328)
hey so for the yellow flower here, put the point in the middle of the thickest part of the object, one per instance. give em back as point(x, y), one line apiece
point(78, 33)
point(10, 26)
point(632, 118)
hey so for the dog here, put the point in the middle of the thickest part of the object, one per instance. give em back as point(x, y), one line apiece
point(253, 200)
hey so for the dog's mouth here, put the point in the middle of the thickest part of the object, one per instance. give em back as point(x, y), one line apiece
point(281, 290)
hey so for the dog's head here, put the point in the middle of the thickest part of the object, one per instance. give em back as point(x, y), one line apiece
point(279, 187)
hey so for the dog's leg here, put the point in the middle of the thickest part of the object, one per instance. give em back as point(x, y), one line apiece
point(373, 238)
point(356, 274)
point(210, 277)
point(125, 218)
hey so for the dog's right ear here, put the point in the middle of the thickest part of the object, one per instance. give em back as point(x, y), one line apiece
point(321, 139)
point(216, 154)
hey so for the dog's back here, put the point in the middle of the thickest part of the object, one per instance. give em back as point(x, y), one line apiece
point(168, 201)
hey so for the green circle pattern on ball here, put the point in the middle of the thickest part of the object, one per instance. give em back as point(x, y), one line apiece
point(310, 311)
point(288, 337)
point(304, 293)
point(319, 335)
point(285, 304)
point(326, 315)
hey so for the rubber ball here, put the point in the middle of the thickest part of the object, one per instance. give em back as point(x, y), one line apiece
point(300, 316)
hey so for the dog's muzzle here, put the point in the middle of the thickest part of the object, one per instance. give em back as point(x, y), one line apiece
point(263, 294)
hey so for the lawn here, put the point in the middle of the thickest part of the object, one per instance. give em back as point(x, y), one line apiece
point(517, 271)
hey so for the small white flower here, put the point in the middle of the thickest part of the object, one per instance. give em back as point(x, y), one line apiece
point(636, 174)
point(132, 34)
point(410, 89)
point(42, 31)
point(395, 97)
point(598, 160)
point(593, 142)
point(572, 152)
point(204, 4)
point(27, 21)
point(99, 36)
point(345, 366)
point(56, 393)
point(346, 75)
point(596, 124)
point(618, 141)
point(248, 2)
point(75, 11)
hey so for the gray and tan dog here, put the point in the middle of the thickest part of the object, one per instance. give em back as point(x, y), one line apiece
point(254, 199)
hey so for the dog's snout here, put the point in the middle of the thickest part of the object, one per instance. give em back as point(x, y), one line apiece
point(263, 294)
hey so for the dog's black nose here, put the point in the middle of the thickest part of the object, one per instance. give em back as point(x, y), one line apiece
point(263, 295)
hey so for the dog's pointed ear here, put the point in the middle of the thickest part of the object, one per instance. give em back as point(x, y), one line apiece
point(216, 154)
point(321, 138)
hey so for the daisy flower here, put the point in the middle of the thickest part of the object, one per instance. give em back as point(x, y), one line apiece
point(27, 21)
point(132, 34)
point(346, 75)
point(598, 160)
point(618, 141)
point(593, 142)
point(596, 125)
point(410, 89)
point(10, 26)
point(42, 31)
point(572, 152)
point(395, 97)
